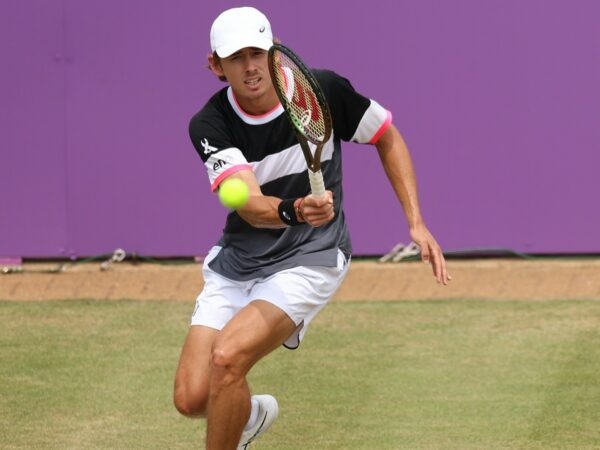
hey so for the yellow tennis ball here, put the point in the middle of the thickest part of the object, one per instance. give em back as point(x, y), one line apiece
point(233, 193)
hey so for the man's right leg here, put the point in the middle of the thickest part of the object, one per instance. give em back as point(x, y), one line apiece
point(251, 334)
point(193, 372)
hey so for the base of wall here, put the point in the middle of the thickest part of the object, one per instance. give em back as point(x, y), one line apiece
point(485, 279)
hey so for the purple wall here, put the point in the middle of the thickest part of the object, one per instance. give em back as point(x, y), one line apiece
point(498, 101)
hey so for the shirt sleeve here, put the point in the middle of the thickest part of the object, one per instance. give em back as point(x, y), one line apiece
point(355, 117)
point(214, 146)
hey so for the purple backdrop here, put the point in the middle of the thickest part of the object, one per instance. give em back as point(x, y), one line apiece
point(498, 101)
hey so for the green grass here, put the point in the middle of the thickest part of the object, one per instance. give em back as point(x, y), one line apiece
point(370, 375)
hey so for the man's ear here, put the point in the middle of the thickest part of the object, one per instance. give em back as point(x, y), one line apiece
point(214, 64)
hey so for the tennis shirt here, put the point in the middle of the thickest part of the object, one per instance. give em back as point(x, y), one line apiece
point(229, 139)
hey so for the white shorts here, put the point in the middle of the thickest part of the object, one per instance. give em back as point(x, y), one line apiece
point(300, 292)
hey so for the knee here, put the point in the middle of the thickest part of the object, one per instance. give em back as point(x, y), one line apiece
point(190, 402)
point(227, 364)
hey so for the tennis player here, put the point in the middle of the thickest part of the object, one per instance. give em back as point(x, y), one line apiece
point(283, 255)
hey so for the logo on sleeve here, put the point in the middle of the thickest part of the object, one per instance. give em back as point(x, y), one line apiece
point(207, 148)
point(219, 164)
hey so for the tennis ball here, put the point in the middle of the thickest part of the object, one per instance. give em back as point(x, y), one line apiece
point(233, 193)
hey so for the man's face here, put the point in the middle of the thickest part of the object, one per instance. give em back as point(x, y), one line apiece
point(247, 71)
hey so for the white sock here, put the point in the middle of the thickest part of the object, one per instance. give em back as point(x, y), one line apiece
point(253, 413)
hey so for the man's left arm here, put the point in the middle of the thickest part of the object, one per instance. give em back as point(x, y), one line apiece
point(399, 169)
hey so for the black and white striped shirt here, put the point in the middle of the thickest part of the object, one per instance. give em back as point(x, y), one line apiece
point(228, 139)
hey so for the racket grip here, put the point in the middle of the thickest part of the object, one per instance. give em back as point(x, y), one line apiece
point(317, 185)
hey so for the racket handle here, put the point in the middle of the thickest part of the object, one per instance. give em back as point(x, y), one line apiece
point(317, 185)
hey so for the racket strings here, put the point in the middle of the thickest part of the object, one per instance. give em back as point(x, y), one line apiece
point(302, 102)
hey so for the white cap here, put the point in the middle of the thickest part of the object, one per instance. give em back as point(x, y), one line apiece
point(238, 28)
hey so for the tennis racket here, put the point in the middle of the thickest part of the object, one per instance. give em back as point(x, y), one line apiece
point(305, 106)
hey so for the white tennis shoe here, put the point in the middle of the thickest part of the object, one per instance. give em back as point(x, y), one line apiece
point(267, 413)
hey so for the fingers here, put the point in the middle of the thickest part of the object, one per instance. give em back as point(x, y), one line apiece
point(425, 254)
point(432, 254)
point(321, 201)
point(440, 271)
point(438, 264)
point(318, 211)
point(317, 217)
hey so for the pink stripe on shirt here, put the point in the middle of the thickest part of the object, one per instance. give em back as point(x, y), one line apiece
point(228, 172)
point(382, 129)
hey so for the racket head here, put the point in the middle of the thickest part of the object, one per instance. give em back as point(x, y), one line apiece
point(300, 94)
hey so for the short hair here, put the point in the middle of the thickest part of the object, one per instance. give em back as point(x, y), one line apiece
point(217, 60)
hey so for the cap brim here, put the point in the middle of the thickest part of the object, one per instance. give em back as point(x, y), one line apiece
point(227, 50)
